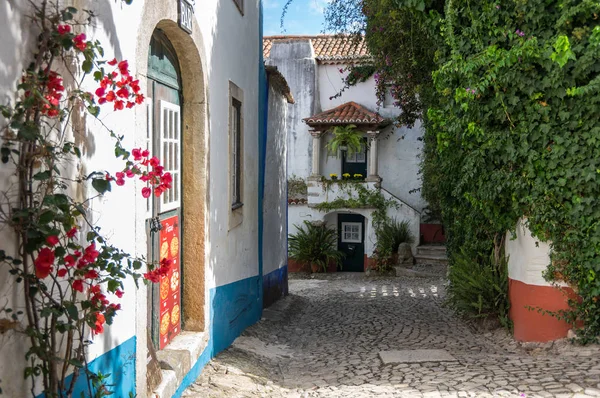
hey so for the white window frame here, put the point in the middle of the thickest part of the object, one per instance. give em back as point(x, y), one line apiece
point(388, 99)
point(351, 224)
point(148, 145)
point(171, 199)
point(236, 153)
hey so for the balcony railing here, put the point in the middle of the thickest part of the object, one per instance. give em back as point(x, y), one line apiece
point(328, 191)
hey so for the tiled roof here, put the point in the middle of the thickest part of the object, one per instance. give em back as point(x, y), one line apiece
point(329, 49)
point(348, 113)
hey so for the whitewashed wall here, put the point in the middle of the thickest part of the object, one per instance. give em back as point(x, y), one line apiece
point(399, 148)
point(231, 42)
point(228, 38)
point(295, 60)
point(275, 199)
point(528, 257)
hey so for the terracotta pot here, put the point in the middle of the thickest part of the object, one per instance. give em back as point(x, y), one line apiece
point(332, 267)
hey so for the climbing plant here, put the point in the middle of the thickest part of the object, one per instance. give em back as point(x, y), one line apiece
point(71, 275)
point(517, 132)
point(508, 92)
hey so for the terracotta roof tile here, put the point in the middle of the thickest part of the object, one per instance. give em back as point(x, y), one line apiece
point(328, 48)
point(348, 113)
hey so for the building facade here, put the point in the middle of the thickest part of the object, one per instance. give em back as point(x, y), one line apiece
point(315, 68)
point(206, 112)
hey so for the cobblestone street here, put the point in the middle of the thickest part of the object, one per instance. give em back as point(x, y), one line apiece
point(324, 340)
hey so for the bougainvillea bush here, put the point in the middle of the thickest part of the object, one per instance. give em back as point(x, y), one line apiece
point(70, 279)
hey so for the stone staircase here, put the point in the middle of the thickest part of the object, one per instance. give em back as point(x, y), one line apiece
point(431, 254)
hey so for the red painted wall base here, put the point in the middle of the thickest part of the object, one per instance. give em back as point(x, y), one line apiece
point(530, 325)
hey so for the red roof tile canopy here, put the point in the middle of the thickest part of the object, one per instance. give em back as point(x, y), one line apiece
point(348, 113)
point(329, 49)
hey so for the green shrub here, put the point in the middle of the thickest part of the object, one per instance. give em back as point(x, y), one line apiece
point(479, 290)
point(389, 236)
point(314, 244)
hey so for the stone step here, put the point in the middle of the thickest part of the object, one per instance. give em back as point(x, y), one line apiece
point(431, 250)
point(431, 259)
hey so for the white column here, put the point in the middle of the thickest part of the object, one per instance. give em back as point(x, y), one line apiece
point(373, 157)
point(316, 153)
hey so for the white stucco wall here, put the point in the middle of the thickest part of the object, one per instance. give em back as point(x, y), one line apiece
point(528, 257)
point(232, 255)
point(275, 199)
point(230, 38)
point(301, 213)
point(295, 60)
point(399, 147)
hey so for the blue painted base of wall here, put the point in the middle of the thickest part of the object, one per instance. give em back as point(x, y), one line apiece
point(233, 307)
point(275, 286)
point(119, 363)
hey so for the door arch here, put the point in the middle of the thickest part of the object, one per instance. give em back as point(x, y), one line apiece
point(164, 220)
point(188, 49)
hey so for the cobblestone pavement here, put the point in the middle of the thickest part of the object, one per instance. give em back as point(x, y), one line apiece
point(324, 341)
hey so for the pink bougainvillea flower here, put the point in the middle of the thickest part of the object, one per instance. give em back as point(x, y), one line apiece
point(123, 92)
point(52, 240)
point(69, 260)
point(146, 192)
point(99, 324)
point(112, 62)
point(77, 285)
point(137, 154)
point(91, 274)
point(124, 67)
point(72, 232)
point(43, 263)
point(61, 272)
point(119, 105)
point(90, 253)
point(79, 42)
point(119, 293)
point(154, 161)
point(63, 29)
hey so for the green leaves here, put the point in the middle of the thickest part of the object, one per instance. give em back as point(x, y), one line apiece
point(562, 51)
point(101, 185)
point(525, 144)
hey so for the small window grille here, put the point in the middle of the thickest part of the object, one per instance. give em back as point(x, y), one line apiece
point(170, 150)
point(236, 153)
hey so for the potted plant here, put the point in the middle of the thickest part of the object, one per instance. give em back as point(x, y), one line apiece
point(345, 138)
point(333, 176)
point(358, 176)
point(346, 176)
point(315, 245)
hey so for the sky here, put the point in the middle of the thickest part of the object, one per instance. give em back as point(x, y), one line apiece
point(304, 17)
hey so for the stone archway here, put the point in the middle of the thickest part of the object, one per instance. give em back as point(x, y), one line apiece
point(189, 48)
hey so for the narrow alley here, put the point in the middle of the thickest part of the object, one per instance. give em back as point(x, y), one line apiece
point(328, 338)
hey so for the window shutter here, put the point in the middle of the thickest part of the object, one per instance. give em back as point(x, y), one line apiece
point(169, 152)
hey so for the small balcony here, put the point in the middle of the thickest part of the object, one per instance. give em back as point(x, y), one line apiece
point(328, 191)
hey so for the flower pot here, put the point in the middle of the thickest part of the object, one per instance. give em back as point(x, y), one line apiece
point(314, 268)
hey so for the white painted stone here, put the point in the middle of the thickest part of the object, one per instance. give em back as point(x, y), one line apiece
point(415, 356)
point(259, 347)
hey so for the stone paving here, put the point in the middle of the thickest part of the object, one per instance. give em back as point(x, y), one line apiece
point(325, 338)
